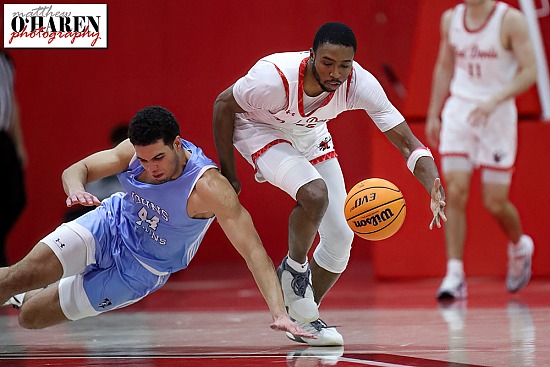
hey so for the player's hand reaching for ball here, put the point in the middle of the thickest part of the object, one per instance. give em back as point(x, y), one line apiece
point(437, 204)
point(82, 198)
point(283, 323)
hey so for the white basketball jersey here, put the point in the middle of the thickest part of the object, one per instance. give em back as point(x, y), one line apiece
point(294, 117)
point(285, 105)
point(482, 65)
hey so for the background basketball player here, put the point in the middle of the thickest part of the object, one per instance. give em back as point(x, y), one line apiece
point(485, 59)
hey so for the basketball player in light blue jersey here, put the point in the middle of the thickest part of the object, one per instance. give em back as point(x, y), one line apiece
point(129, 245)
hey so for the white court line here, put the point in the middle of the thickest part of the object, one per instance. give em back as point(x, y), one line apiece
point(372, 363)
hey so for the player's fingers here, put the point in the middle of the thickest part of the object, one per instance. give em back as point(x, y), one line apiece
point(73, 199)
point(301, 332)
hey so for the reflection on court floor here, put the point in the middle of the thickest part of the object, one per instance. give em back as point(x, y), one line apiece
point(222, 321)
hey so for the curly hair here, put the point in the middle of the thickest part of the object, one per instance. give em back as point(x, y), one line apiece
point(151, 124)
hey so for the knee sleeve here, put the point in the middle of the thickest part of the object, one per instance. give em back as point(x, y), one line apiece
point(74, 246)
point(334, 248)
point(286, 169)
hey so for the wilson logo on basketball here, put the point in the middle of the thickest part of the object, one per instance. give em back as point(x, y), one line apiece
point(376, 219)
point(375, 209)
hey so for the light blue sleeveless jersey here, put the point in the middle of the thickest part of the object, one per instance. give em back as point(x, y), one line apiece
point(150, 222)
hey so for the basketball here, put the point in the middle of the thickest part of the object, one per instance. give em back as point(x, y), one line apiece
point(375, 209)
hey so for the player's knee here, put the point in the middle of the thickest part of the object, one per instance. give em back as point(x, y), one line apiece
point(493, 204)
point(313, 197)
point(340, 239)
point(333, 261)
point(457, 195)
point(333, 253)
point(30, 320)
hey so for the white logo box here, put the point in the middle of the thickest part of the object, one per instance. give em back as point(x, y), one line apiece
point(55, 25)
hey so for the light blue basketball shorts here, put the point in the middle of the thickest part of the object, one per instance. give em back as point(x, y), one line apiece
point(99, 273)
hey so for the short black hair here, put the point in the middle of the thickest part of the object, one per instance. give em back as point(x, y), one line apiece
point(151, 124)
point(335, 33)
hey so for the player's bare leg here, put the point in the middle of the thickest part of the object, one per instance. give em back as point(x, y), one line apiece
point(323, 280)
point(41, 308)
point(457, 189)
point(38, 269)
point(495, 200)
point(520, 246)
point(304, 221)
point(294, 272)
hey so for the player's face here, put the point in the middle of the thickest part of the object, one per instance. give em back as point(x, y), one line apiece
point(332, 65)
point(161, 162)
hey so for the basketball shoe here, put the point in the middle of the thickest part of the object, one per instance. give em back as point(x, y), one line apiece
point(452, 287)
point(15, 301)
point(326, 335)
point(298, 293)
point(519, 264)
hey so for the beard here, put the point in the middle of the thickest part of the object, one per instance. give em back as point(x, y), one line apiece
point(318, 78)
point(176, 165)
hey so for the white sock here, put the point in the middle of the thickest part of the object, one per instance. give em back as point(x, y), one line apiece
point(521, 240)
point(300, 268)
point(455, 267)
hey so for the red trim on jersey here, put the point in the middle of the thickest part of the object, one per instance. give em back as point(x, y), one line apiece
point(301, 91)
point(261, 151)
point(285, 84)
point(484, 23)
point(324, 158)
point(455, 155)
point(500, 169)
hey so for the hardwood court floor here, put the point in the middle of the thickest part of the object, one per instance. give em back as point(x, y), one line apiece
point(216, 317)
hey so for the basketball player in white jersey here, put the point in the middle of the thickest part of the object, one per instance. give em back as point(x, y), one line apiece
point(276, 117)
point(127, 247)
point(485, 59)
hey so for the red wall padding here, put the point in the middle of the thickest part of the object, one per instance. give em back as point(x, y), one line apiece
point(181, 55)
point(415, 251)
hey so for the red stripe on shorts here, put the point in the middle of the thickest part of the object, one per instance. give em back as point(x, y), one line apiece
point(258, 153)
point(324, 157)
point(500, 169)
point(455, 155)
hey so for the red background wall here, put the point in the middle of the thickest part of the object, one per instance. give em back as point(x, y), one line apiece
point(181, 54)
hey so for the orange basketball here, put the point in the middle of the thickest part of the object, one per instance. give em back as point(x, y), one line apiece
point(375, 209)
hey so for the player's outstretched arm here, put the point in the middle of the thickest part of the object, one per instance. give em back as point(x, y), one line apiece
point(422, 166)
point(98, 165)
point(214, 194)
